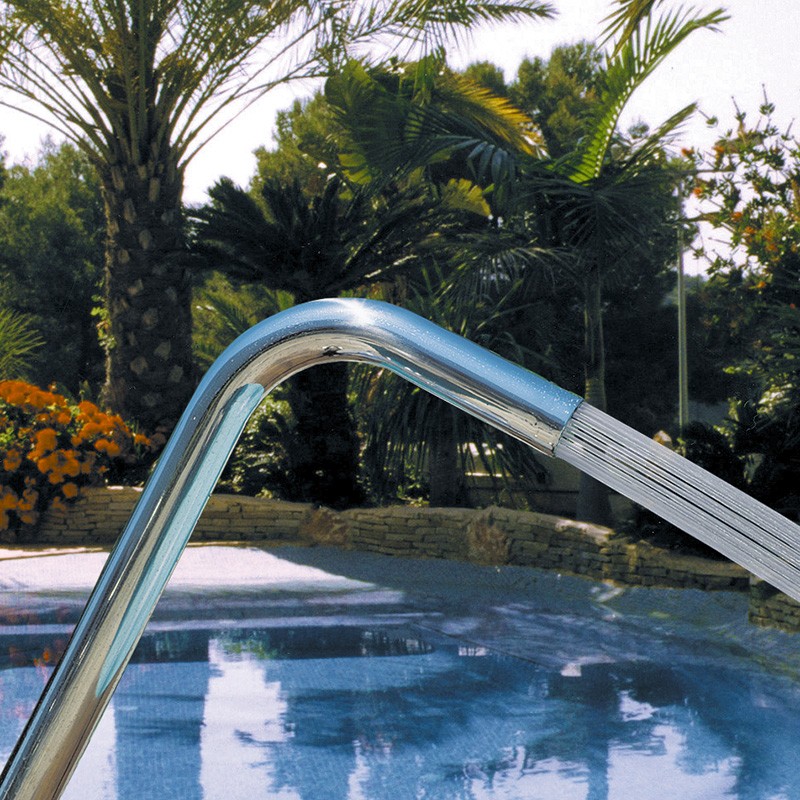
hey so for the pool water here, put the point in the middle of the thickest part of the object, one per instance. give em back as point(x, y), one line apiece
point(410, 703)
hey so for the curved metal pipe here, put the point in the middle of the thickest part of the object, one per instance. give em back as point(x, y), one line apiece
point(471, 378)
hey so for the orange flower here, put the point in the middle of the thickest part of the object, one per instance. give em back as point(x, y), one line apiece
point(29, 517)
point(12, 460)
point(107, 446)
point(91, 429)
point(46, 439)
point(28, 501)
point(87, 411)
point(8, 498)
point(69, 490)
point(48, 463)
point(70, 465)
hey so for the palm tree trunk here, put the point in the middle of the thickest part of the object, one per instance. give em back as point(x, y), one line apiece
point(325, 456)
point(447, 484)
point(593, 504)
point(149, 373)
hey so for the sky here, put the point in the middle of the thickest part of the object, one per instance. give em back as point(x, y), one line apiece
point(755, 50)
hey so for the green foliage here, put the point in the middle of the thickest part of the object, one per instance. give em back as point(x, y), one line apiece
point(51, 257)
point(558, 93)
point(423, 117)
point(142, 85)
point(488, 75)
point(305, 147)
point(415, 443)
point(749, 191)
point(222, 311)
point(644, 49)
point(311, 247)
point(260, 463)
point(102, 70)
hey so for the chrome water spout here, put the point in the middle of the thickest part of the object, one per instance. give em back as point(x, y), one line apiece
point(524, 405)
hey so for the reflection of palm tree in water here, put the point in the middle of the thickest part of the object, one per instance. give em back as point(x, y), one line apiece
point(585, 736)
point(454, 726)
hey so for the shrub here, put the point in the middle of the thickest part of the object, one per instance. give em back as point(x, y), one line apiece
point(51, 448)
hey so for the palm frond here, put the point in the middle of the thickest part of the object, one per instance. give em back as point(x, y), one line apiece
point(622, 23)
point(641, 53)
point(652, 146)
point(399, 123)
point(19, 341)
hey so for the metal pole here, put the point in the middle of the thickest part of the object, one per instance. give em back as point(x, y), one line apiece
point(471, 378)
point(683, 364)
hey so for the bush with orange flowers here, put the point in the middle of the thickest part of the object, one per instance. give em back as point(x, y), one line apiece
point(51, 448)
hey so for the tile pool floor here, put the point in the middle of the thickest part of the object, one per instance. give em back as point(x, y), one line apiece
point(719, 699)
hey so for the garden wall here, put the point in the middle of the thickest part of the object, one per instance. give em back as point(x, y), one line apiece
point(494, 536)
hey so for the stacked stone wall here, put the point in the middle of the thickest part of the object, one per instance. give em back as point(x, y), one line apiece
point(771, 608)
point(488, 536)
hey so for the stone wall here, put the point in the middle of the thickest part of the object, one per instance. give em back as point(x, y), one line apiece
point(100, 515)
point(489, 536)
point(771, 608)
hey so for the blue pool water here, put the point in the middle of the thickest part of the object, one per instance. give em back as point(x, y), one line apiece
point(436, 682)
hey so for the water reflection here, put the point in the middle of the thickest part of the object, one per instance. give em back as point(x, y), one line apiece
point(322, 713)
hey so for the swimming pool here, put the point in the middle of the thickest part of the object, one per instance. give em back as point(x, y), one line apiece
point(359, 677)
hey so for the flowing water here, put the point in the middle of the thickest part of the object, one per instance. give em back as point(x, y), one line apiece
point(739, 527)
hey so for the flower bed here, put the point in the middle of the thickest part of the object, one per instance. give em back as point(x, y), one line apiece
point(51, 448)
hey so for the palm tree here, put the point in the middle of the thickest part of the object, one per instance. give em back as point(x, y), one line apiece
point(591, 206)
point(141, 86)
point(603, 205)
point(421, 123)
point(315, 247)
point(421, 128)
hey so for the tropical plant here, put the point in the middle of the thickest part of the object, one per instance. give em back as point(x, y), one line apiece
point(409, 130)
point(422, 121)
point(140, 86)
point(314, 247)
point(595, 206)
point(559, 92)
point(52, 448)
